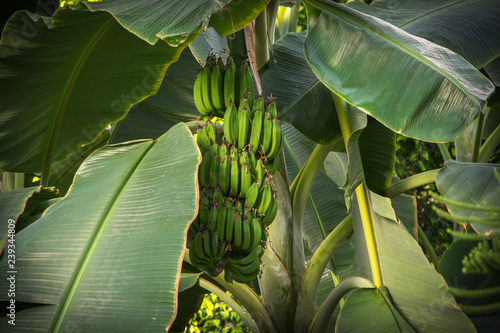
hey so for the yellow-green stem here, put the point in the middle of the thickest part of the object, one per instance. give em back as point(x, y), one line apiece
point(412, 182)
point(362, 198)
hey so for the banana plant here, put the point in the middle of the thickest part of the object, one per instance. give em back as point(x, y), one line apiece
point(98, 104)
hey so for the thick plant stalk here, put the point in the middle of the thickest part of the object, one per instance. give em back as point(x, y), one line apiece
point(444, 151)
point(362, 199)
point(428, 247)
point(272, 13)
point(477, 139)
point(230, 302)
point(306, 301)
point(412, 182)
point(324, 313)
point(489, 146)
point(261, 41)
point(294, 17)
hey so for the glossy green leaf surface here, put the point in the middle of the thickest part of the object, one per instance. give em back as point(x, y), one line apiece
point(301, 98)
point(413, 283)
point(105, 257)
point(473, 184)
point(87, 72)
point(172, 103)
point(174, 21)
point(469, 28)
point(353, 316)
point(236, 15)
point(413, 86)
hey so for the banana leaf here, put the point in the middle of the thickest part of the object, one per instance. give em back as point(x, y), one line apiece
point(108, 256)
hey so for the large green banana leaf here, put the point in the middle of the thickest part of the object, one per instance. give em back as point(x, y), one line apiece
point(472, 184)
point(412, 282)
point(172, 103)
point(301, 98)
point(65, 78)
point(413, 86)
point(469, 28)
point(107, 257)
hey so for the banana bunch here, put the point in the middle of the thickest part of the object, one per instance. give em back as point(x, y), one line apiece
point(217, 85)
point(244, 268)
point(257, 128)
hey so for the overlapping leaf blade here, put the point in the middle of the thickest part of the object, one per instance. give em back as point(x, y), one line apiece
point(411, 85)
point(87, 72)
point(301, 98)
point(107, 257)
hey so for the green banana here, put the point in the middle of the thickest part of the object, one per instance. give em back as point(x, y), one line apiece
point(237, 231)
point(204, 169)
point(217, 88)
point(272, 109)
point(212, 219)
point(245, 174)
point(259, 104)
point(231, 126)
point(247, 87)
point(243, 127)
point(214, 165)
point(247, 236)
point(256, 232)
point(197, 255)
point(221, 222)
point(272, 211)
point(211, 132)
point(207, 246)
point(252, 194)
point(267, 132)
point(264, 199)
point(225, 175)
point(198, 95)
point(277, 140)
point(229, 226)
point(204, 210)
point(230, 83)
point(235, 174)
point(206, 87)
point(202, 138)
point(272, 165)
point(256, 130)
point(260, 171)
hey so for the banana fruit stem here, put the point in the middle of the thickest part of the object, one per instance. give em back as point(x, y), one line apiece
point(362, 197)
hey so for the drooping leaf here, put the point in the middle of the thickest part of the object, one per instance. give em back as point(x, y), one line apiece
point(469, 28)
point(173, 103)
point(473, 184)
point(371, 153)
point(493, 70)
point(405, 207)
point(87, 72)
point(236, 15)
point(413, 283)
point(107, 257)
point(301, 98)
point(413, 86)
point(174, 21)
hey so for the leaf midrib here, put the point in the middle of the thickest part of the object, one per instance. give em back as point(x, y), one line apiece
point(62, 108)
point(372, 29)
point(88, 250)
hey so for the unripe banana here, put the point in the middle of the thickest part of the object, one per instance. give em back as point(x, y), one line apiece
point(231, 126)
point(225, 175)
point(247, 235)
point(212, 219)
point(197, 255)
point(264, 199)
point(277, 140)
point(235, 174)
point(267, 133)
point(230, 83)
point(217, 89)
point(252, 194)
point(206, 87)
point(243, 127)
point(256, 232)
point(198, 95)
point(221, 223)
point(214, 165)
point(204, 210)
point(260, 171)
point(204, 169)
point(272, 211)
point(259, 104)
point(245, 180)
point(237, 231)
point(256, 130)
point(247, 87)
point(212, 133)
point(202, 138)
point(207, 246)
point(229, 226)
point(272, 165)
